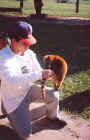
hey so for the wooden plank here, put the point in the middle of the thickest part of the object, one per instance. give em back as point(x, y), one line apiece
point(4, 9)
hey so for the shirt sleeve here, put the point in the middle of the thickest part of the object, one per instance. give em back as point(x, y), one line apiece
point(37, 65)
point(10, 76)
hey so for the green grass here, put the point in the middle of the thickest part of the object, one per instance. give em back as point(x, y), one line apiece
point(75, 94)
point(76, 83)
point(51, 8)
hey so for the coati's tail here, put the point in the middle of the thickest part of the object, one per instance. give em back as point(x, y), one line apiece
point(59, 66)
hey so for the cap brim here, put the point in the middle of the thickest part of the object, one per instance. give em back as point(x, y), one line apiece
point(29, 41)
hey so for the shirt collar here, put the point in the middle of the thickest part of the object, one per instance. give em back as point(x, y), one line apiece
point(10, 51)
point(14, 54)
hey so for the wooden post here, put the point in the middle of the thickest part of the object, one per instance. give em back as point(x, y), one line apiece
point(21, 6)
point(77, 6)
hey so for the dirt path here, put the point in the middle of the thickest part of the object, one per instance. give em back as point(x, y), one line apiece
point(75, 129)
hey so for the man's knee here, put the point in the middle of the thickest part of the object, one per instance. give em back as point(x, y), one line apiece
point(56, 95)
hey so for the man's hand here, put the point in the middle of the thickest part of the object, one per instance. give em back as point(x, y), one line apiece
point(46, 74)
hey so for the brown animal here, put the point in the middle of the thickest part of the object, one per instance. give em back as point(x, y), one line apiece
point(3, 43)
point(3, 40)
point(59, 67)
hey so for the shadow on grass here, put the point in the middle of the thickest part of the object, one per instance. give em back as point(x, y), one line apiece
point(76, 103)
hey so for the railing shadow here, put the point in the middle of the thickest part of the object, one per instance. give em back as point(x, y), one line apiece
point(76, 103)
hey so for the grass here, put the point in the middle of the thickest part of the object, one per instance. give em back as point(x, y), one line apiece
point(75, 94)
point(76, 83)
point(51, 8)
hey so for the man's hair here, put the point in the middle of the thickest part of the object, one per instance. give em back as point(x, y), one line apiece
point(15, 37)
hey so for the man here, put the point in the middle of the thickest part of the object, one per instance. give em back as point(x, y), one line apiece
point(19, 70)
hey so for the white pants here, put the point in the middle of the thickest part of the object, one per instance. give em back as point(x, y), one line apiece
point(52, 100)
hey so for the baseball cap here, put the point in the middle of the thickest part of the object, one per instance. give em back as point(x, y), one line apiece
point(22, 31)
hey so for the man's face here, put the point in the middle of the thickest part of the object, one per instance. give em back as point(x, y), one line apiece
point(19, 47)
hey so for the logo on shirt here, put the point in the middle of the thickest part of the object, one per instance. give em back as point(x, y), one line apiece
point(24, 69)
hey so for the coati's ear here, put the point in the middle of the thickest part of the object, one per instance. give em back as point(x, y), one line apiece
point(47, 62)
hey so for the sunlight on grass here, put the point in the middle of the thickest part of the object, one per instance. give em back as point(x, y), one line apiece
point(51, 8)
point(86, 113)
point(72, 85)
point(76, 83)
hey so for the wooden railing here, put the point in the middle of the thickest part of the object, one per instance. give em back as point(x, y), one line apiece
point(13, 9)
